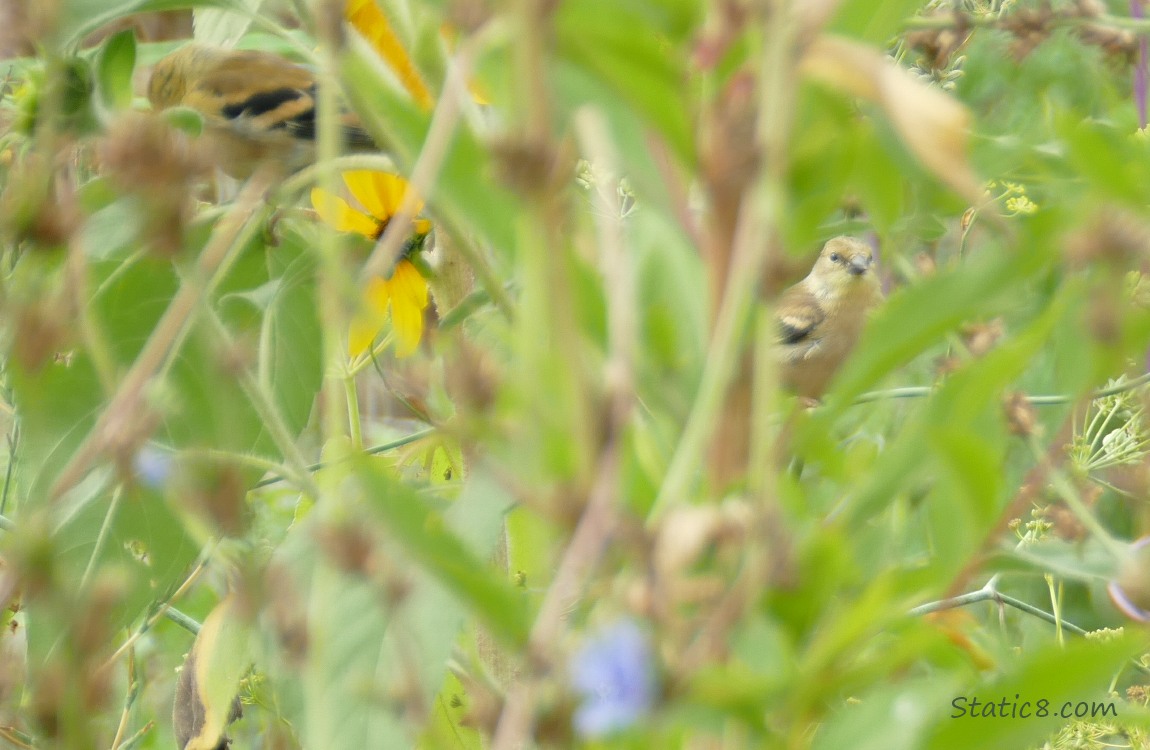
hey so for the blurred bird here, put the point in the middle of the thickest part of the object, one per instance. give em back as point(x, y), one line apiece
point(820, 318)
point(257, 106)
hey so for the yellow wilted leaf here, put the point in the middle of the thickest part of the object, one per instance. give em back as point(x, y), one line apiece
point(933, 126)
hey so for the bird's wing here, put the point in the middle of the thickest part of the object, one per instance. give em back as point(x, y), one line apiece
point(256, 91)
point(798, 316)
point(283, 99)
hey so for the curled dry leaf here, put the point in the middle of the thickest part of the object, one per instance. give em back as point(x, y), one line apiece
point(933, 126)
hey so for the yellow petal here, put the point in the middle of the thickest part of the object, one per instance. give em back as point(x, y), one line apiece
point(335, 212)
point(366, 324)
point(370, 21)
point(408, 291)
point(376, 191)
point(377, 295)
point(360, 334)
point(407, 322)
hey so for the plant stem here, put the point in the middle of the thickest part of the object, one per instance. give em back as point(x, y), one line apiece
point(987, 594)
point(755, 235)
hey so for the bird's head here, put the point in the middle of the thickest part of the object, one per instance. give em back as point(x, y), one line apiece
point(172, 75)
point(843, 262)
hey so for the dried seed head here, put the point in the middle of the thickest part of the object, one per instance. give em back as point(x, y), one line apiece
point(980, 338)
point(217, 494)
point(1113, 237)
point(41, 331)
point(39, 205)
point(160, 165)
point(1021, 417)
point(349, 545)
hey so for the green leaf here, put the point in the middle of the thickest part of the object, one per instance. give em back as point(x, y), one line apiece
point(290, 334)
point(224, 28)
point(114, 67)
point(430, 541)
point(368, 645)
point(871, 21)
point(916, 317)
point(640, 67)
point(1079, 671)
point(186, 119)
point(892, 717)
point(78, 18)
point(351, 662)
point(969, 402)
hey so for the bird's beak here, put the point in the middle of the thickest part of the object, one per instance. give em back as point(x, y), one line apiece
point(858, 266)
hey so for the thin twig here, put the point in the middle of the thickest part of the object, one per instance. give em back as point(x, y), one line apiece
point(372, 451)
point(129, 701)
point(755, 235)
point(181, 619)
point(967, 21)
point(989, 594)
point(161, 612)
point(1047, 400)
point(139, 735)
point(13, 442)
point(16, 737)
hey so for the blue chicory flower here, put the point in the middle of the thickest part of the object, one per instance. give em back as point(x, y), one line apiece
point(614, 675)
point(153, 466)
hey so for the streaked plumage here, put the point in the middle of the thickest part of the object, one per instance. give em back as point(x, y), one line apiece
point(820, 318)
point(256, 105)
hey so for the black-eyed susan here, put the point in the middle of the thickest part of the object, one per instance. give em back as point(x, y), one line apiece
point(402, 296)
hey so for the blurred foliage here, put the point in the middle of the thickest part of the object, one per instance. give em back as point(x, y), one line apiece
point(581, 513)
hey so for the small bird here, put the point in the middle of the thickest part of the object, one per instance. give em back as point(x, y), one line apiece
point(820, 318)
point(257, 106)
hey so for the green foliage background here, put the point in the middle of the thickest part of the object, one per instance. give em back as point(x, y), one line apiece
point(186, 434)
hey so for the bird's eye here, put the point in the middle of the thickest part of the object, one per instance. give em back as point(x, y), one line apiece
point(835, 257)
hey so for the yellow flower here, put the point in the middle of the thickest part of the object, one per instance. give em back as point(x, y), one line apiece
point(402, 295)
point(370, 21)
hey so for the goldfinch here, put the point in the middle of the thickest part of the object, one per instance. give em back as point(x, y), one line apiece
point(820, 318)
point(257, 106)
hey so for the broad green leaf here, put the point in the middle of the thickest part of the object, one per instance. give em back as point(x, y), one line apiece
point(603, 38)
point(916, 317)
point(1080, 671)
point(874, 21)
point(434, 545)
point(224, 27)
point(347, 675)
point(892, 717)
point(81, 17)
point(969, 400)
point(367, 645)
point(114, 68)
